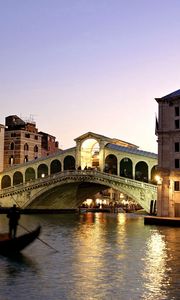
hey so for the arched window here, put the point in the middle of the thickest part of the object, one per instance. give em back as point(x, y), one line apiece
point(26, 158)
point(42, 171)
point(153, 175)
point(29, 174)
point(12, 146)
point(35, 149)
point(126, 168)
point(6, 181)
point(111, 164)
point(141, 171)
point(90, 153)
point(55, 166)
point(36, 152)
point(26, 147)
point(17, 178)
point(69, 163)
point(11, 160)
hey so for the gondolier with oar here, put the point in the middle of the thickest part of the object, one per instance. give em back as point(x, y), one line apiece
point(13, 216)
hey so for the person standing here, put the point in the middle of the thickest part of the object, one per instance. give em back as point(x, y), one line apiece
point(13, 216)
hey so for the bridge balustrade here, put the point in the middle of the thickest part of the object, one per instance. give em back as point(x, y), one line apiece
point(75, 173)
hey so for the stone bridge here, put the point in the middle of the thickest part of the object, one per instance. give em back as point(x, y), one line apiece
point(68, 189)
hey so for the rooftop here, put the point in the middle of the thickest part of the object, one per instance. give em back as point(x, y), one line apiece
point(170, 96)
point(132, 150)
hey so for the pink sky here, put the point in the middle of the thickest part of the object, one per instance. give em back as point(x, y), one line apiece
point(79, 65)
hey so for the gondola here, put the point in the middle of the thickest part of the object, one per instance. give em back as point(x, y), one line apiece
point(10, 247)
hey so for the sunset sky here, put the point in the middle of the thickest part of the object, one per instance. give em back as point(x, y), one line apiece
point(75, 66)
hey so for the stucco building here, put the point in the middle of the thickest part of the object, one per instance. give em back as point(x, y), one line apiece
point(168, 132)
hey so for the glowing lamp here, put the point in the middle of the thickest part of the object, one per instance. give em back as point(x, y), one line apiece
point(158, 179)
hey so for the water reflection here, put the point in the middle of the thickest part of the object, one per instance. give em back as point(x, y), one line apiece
point(155, 267)
point(19, 263)
point(101, 256)
point(104, 257)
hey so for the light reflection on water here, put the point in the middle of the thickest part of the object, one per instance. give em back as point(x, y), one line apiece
point(101, 256)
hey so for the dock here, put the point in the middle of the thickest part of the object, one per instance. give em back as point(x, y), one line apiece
point(162, 221)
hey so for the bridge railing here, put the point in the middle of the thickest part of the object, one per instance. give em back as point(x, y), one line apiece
point(98, 174)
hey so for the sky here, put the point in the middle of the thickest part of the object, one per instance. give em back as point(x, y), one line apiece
point(75, 66)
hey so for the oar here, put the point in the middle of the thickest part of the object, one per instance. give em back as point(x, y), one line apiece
point(40, 239)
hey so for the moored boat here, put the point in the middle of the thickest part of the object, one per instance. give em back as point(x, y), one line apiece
point(13, 246)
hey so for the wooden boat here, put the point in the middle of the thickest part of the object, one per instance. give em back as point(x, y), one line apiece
point(14, 246)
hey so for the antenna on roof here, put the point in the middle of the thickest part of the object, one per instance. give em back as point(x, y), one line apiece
point(30, 119)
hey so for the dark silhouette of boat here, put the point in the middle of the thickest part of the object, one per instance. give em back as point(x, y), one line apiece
point(14, 246)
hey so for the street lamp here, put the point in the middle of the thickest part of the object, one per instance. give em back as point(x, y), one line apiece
point(158, 179)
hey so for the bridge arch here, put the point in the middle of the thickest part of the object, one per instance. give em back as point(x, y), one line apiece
point(42, 170)
point(111, 164)
point(30, 174)
point(55, 166)
point(70, 188)
point(17, 178)
point(141, 171)
point(90, 153)
point(69, 162)
point(5, 182)
point(126, 167)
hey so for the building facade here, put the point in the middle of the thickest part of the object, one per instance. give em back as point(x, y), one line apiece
point(1, 147)
point(22, 142)
point(49, 145)
point(168, 132)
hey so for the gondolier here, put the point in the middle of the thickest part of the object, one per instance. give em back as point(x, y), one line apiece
point(13, 216)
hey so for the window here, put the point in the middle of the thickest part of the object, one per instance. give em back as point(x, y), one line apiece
point(36, 137)
point(176, 124)
point(35, 148)
point(13, 134)
point(26, 147)
point(177, 163)
point(176, 185)
point(176, 111)
point(26, 158)
point(176, 147)
point(27, 135)
point(12, 146)
point(11, 160)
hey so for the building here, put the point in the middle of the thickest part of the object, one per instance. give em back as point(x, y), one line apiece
point(22, 142)
point(168, 132)
point(49, 145)
point(1, 147)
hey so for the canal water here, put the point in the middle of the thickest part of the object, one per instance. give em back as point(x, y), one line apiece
point(100, 256)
